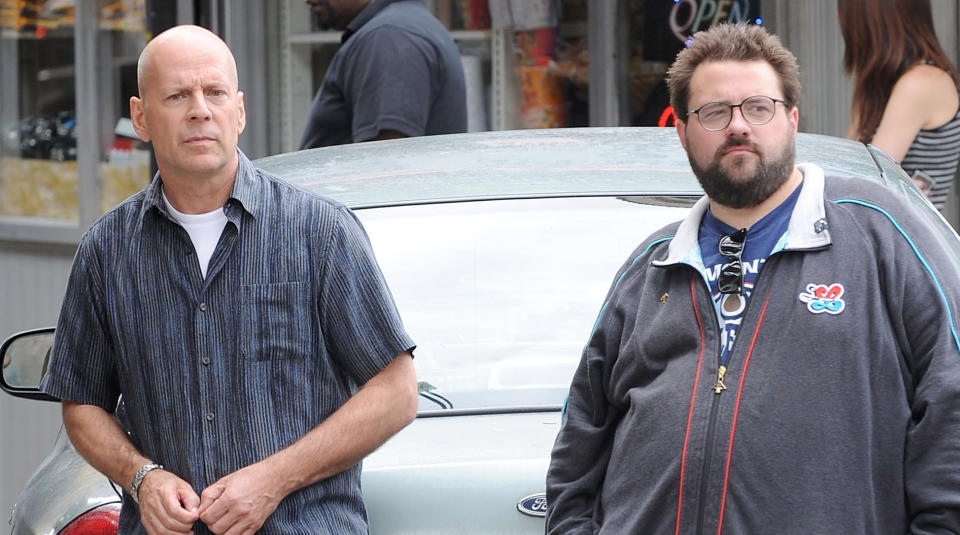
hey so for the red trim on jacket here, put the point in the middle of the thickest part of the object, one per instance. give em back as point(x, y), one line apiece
point(693, 397)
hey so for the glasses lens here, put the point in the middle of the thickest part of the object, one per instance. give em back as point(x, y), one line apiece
point(715, 115)
point(730, 280)
point(758, 110)
point(732, 244)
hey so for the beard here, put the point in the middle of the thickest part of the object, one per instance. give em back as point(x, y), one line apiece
point(744, 192)
point(324, 15)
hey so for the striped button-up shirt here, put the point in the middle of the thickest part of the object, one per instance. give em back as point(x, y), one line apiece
point(220, 372)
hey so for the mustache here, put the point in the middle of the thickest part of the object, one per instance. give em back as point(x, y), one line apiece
point(738, 141)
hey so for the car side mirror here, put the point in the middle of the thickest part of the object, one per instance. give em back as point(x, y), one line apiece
point(25, 357)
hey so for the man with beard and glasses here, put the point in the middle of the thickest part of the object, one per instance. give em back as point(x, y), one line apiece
point(783, 360)
point(396, 74)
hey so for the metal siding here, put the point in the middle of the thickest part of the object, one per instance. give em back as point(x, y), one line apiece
point(32, 286)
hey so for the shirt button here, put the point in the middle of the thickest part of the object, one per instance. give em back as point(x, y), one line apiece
point(209, 416)
point(203, 307)
point(188, 251)
point(205, 361)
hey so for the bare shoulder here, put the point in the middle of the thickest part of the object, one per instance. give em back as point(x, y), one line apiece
point(930, 92)
point(928, 79)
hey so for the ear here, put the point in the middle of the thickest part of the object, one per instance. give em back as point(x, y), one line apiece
point(681, 132)
point(242, 116)
point(139, 119)
point(794, 116)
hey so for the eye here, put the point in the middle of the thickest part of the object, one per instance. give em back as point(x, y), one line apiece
point(714, 111)
point(217, 93)
point(759, 108)
point(175, 97)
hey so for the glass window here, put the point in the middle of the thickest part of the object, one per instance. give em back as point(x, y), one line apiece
point(38, 170)
point(124, 165)
point(501, 296)
point(547, 48)
point(658, 31)
point(39, 173)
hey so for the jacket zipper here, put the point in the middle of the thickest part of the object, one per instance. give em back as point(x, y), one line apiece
point(707, 458)
point(718, 387)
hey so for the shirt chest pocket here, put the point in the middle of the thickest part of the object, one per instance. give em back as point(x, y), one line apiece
point(275, 321)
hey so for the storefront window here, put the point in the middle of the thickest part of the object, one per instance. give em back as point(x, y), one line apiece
point(548, 51)
point(659, 29)
point(38, 170)
point(124, 161)
point(42, 70)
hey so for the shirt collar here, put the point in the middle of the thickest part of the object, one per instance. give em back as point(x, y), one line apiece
point(367, 13)
point(807, 228)
point(243, 197)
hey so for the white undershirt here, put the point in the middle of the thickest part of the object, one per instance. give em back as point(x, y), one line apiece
point(204, 230)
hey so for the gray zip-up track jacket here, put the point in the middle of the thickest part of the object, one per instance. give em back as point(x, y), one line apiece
point(842, 408)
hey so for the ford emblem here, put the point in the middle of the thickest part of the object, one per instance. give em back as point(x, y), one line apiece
point(534, 505)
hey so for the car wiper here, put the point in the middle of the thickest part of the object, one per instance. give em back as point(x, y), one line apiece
point(428, 391)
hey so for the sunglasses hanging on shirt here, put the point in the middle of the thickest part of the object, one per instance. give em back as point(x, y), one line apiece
point(730, 280)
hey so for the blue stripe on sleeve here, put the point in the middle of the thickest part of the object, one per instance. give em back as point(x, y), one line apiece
point(936, 282)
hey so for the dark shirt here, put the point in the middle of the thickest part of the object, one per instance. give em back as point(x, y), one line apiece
point(397, 69)
point(219, 373)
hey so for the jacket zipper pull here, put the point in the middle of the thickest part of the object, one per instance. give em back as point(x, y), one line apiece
point(719, 386)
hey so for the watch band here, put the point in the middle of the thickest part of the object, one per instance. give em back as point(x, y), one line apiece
point(138, 479)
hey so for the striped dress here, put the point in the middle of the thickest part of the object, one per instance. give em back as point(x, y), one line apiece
point(936, 152)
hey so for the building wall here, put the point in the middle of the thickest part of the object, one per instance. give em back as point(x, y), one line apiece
point(32, 285)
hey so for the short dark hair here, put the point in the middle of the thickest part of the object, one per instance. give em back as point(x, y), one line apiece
point(732, 42)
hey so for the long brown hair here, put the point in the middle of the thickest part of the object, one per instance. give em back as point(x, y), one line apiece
point(885, 38)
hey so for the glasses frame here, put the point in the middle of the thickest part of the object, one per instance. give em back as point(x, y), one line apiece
point(730, 280)
point(731, 107)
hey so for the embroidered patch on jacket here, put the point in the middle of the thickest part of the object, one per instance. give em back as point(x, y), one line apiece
point(824, 298)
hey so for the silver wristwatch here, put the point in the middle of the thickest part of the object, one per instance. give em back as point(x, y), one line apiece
point(138, 479)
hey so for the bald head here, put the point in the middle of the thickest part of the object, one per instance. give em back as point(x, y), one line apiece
point(170, 46)
point(190, 109)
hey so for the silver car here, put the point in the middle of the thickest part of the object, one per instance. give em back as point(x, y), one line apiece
point(499, 248)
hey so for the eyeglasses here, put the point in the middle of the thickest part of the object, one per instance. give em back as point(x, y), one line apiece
point(756, 110)
point(730, 280)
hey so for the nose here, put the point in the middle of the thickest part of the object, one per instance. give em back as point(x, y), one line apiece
point(199, 111)
point(738, 124)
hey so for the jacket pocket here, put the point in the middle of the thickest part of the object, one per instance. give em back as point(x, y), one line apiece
point(275, 321)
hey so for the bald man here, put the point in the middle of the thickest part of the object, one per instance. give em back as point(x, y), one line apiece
point(232, 312)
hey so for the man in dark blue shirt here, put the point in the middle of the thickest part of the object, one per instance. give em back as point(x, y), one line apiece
point(397, 73)
point(245, 323)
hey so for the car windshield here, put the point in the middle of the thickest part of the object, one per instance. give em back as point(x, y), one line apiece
point(501, 296)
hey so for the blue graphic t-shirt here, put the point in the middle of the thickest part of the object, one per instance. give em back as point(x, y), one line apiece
point(760, 242)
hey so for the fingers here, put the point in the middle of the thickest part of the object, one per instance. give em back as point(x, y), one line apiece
point(237, 504)
point(210, 495)
point(168, 505)
point(189, 500)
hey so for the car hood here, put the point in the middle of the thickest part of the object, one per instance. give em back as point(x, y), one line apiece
point(460, 474)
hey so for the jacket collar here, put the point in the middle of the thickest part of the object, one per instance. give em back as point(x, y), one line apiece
point(807, 229)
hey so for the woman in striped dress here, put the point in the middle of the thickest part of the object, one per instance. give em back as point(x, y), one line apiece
point(905, 97)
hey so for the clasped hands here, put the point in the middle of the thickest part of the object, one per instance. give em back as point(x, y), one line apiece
point(237, 504)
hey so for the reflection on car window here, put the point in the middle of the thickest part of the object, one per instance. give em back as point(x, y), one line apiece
point(500, 296)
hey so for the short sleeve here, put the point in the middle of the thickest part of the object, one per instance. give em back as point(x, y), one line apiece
point(362, 328)
point(392, 77)
point(82, 362)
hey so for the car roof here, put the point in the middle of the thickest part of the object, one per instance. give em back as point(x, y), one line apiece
point(525, 164)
